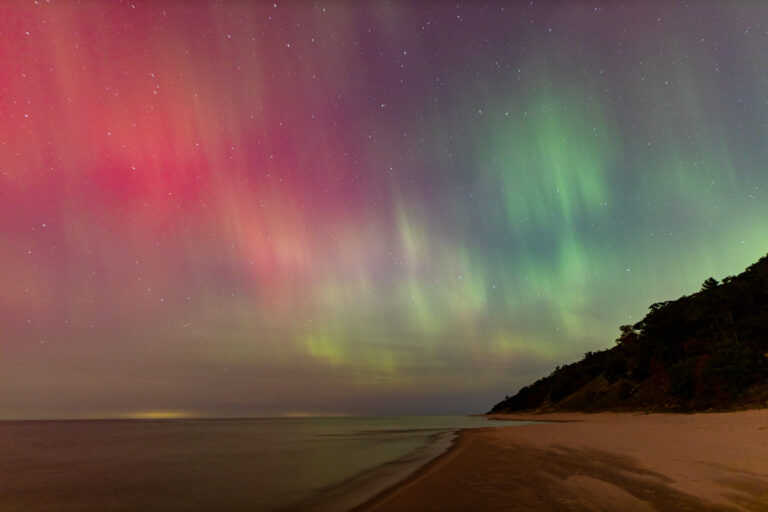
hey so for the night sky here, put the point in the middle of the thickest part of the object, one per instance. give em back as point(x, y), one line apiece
point(233, 208)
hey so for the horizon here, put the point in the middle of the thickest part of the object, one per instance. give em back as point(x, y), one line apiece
point(359, 208)
point(192, 416)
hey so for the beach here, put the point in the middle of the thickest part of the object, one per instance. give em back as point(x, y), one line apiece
point(603, 461)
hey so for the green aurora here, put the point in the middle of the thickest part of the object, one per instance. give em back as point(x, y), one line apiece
point(376, 207)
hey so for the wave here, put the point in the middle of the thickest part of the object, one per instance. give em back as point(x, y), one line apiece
point(368, 483)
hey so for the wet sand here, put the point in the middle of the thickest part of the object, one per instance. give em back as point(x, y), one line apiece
point(604, 462)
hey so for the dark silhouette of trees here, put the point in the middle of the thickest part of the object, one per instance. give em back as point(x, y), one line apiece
point(706, 350)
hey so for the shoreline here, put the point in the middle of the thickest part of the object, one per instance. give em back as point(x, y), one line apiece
point(358, 490)
point(431, 466)
point(597, 461)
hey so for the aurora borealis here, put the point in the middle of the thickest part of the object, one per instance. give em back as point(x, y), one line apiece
point(232, 208)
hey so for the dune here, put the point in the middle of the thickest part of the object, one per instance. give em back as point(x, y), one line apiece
point(604, 461)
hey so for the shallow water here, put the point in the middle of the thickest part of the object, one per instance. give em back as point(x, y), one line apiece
point(209, 465)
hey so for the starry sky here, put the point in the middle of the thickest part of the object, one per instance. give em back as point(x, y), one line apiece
point(235, 208)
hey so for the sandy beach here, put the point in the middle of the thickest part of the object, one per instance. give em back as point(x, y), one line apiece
point(606, 461)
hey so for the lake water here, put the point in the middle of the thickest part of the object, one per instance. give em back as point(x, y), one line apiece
point(322, 464)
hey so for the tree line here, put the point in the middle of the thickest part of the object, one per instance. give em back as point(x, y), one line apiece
point(708, 350)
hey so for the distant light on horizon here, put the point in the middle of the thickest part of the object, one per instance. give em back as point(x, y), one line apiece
point(158, 415)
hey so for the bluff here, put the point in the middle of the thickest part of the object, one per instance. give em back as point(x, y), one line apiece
point(705, 351)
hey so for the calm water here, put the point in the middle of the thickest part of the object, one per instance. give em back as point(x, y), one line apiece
point(211, 465)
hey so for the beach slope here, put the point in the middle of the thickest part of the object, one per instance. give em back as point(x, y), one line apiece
point(605, 461)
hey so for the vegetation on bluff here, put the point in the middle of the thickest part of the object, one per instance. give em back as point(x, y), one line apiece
point(708, 350)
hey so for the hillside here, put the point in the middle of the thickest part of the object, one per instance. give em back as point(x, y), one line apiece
point(704, 351)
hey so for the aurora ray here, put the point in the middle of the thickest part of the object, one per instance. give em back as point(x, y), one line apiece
point(225, 208)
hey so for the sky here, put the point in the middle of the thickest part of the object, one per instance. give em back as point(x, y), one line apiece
point(243, 209)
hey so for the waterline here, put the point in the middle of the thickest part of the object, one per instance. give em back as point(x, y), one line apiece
point(255, 464)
